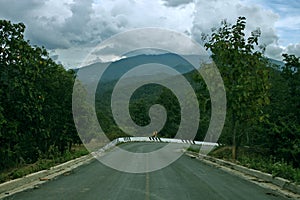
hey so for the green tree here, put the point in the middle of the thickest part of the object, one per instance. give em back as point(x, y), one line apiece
point(169, 101)
point(283, 127)
point(245, 74)
point(35, 100)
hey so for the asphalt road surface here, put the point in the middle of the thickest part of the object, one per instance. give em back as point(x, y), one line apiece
point(184, 179)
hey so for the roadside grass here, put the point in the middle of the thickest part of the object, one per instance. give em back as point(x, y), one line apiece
point(42, 164)
point(258, 159)
point(194, 148)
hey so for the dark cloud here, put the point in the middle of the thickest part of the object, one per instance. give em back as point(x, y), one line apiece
point(16, 10)
point(68, 23)
point(81, 16)
point(47, 28)
point(175, 3)
point(40, 30)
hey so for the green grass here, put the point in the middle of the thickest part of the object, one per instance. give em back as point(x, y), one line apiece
point(42, 164)
point(194, 148)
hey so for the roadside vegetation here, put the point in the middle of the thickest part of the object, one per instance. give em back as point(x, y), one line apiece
point(42, 163)
point(36, 123)
point(256, 158)
point(270, 164)
point(263, 121)
point(262, 129)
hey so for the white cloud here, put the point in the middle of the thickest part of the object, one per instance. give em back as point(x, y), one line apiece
point(209, 15)
point(288, 25)
point(293, 49)
point(274, 51)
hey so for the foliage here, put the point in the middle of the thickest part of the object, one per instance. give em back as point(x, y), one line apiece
point(42, 163)
point(259, 160)
point(35, 100)
point(245, 75)
point(282, 130)
point(150, 94)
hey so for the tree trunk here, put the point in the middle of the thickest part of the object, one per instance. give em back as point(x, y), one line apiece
point(234, 139)
point(234, 147)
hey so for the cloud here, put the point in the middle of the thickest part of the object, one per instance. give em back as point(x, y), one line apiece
point(274, 51)
point(77, 24)
point(66, 23)
point(288, 23)
point(176, 3)
point(16, 10)
point(293, 49)
point(74, 25)
point(210, 14)
point(43, 23)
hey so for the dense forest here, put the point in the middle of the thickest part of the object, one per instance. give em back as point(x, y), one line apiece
point(263, 99)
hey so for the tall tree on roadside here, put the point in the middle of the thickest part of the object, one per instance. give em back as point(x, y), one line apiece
point(284, 125)
point(35, 100)
point(243, 69)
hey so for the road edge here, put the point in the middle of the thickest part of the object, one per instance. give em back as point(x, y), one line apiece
point(33, 180)
point(263, 179)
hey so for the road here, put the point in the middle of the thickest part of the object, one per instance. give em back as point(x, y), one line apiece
point(184, 179)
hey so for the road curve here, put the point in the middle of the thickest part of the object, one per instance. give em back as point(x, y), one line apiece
point(185, 179)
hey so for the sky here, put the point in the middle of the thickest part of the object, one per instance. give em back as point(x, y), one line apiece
point(69, 29)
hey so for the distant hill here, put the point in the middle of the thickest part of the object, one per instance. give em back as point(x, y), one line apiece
point(116, 69)
point(280, 64)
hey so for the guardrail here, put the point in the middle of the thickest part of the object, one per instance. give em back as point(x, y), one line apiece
point(158, 139)
point(150, 139)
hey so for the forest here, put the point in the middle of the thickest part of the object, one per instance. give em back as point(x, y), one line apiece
point(35, 101)
point(263, 100)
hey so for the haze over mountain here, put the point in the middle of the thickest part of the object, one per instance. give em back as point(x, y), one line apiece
point(115, 70)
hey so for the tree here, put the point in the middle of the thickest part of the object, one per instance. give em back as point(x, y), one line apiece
point(283, 127)
point(291, 72)
point(245, 74)
point(35, 100)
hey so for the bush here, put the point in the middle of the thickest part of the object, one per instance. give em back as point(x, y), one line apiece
point(41, 164)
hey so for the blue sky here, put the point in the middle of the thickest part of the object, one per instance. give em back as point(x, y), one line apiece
point(69, 29)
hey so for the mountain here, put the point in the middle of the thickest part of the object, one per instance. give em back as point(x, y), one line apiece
point(278, 63)
point(110, 73)
point(115, 70)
